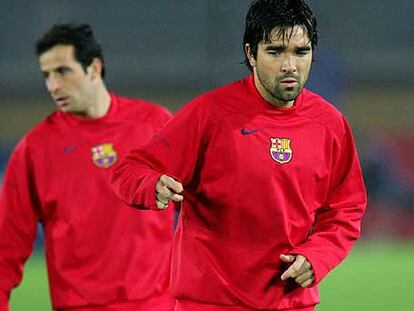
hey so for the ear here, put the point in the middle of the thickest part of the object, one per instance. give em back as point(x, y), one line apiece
point(249, 54)
point(95, 68)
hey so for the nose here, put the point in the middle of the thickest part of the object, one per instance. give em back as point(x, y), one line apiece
point(289, 64)
point(52, 84)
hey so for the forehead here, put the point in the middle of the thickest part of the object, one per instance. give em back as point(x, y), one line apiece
point(59, 55)
point(296, 35)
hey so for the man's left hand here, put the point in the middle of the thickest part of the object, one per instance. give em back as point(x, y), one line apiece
point(300, 270)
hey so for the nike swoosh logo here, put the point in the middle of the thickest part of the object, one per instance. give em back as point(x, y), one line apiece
point(245, 131)
point(69, 149)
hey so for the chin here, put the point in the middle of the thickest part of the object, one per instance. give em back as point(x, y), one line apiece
point(65, 109)
point(292, 94)
point(288, 96)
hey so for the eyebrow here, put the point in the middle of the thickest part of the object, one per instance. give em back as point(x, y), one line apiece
point(283, 47)
point(303, 48)
point(275, 47)
point(57, 69)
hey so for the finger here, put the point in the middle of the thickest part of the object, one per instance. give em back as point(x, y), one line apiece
point(166, 187)
point(304, 277)
point(163, 191)
point(160, 187)
point(287, 274)
point(164, 195)
point(303, 264)
point(177, 197)
point(308, 282)
point(172, 184)
point(302, 259)
point(161, 205)
point(287, 258)
point(295, 269)
point(162, 199)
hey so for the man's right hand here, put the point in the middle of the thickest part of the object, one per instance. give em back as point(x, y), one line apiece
point(167, 189)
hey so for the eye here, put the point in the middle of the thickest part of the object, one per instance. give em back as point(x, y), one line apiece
point(62, 70)
point(302, 52)
point(274, 52)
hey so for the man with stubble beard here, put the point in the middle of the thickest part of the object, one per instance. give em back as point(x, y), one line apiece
point(267, 173)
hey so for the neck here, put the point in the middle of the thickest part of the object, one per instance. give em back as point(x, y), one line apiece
point(100, 104)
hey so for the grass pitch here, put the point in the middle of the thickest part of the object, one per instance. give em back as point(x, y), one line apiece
point(374, 277)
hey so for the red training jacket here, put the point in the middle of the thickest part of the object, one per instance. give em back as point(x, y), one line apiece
point(99, 251)
point(259, 181)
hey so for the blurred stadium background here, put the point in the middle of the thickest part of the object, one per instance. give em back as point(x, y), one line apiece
point(170, 51)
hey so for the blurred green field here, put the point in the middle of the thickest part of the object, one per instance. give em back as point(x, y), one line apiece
point(374, 277)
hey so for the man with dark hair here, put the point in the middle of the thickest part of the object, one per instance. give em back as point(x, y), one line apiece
point(267, 174)
point(100, 253)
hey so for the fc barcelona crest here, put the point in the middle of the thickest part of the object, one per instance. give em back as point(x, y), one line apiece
point(104, 155)
point(280, 150)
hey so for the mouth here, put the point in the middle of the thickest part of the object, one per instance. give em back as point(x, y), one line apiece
point(289, 82)
point(61, 101)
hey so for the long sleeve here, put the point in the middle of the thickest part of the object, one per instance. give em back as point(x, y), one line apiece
point(173, 151)
point(18, 221)
point(338, 222)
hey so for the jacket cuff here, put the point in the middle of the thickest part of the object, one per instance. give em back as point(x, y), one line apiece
point(4, 301)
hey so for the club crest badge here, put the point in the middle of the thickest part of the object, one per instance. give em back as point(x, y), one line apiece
point(104, 155)
point(280, 150)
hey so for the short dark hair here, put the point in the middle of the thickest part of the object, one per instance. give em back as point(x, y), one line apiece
point(80, 36)
point(264, 15)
